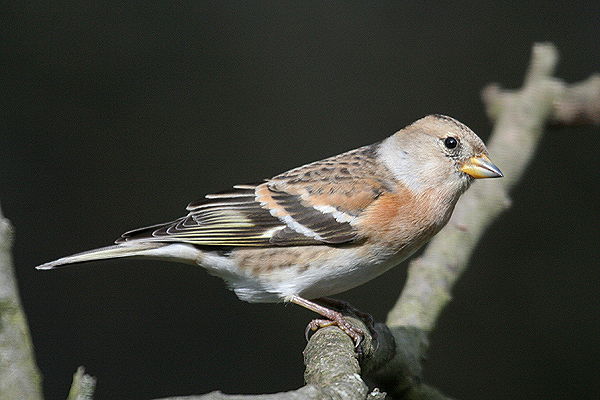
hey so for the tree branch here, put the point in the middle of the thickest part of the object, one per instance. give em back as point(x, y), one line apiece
point(19, 376)
point(519, 118)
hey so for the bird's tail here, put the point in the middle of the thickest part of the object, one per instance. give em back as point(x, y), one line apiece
point(138, 249)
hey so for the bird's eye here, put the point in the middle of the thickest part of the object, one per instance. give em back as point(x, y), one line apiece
point(450, 142)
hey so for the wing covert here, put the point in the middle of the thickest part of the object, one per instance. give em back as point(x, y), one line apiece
point(318, 203)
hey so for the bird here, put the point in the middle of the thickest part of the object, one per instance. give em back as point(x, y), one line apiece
point(322, 228)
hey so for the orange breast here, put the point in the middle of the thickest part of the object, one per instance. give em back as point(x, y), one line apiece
point(403, 219)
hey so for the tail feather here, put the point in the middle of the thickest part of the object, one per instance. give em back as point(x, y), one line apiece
point(150, 250)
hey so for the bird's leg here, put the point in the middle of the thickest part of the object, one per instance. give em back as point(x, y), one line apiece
point(333, 318)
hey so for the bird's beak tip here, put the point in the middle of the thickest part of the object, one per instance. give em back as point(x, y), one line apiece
point(481, 167)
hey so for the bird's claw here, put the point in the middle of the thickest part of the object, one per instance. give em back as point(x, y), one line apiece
point(355, 334)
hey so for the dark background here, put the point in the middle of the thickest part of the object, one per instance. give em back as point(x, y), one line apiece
point(115, 115)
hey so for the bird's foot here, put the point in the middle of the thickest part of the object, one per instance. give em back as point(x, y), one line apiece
point(337, 319)
point(345, 307)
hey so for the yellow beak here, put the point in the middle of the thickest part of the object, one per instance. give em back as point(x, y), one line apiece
point(481, 167)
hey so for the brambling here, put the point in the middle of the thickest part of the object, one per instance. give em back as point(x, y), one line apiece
point(325, 227)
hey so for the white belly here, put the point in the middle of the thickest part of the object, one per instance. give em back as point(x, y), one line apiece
point(259, 275)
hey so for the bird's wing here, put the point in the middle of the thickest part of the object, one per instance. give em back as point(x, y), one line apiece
point(317, 203)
